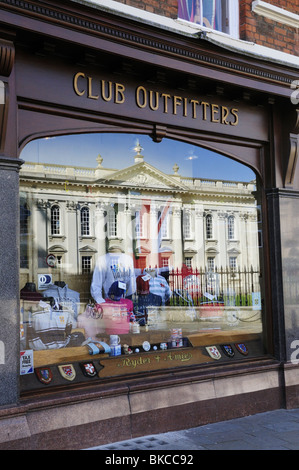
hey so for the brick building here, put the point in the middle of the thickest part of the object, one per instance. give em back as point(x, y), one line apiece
point(267, 23)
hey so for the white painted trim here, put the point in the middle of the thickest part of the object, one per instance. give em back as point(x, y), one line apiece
point(186, 28)
point(275, 13)
point(234, 19)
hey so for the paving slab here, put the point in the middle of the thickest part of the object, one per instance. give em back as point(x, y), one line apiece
point(273, 430)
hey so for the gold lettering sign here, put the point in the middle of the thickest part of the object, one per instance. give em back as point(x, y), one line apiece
point(132, 364)
point(108, 91)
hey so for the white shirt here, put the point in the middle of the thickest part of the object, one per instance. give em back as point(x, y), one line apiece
point(110, 268)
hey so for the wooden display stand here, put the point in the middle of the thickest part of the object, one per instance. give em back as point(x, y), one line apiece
point(135, 362)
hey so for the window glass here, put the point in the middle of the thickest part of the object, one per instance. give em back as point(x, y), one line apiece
point(135, 251)
point(213, 14)
point(85, 230)
point(55, 220)
point(231, 227)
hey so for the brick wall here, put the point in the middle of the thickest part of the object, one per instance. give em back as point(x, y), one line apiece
point(266, 32)
point(253, 27)
point(160, 7)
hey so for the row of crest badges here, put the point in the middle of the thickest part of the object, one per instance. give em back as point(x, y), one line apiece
point(214, 352)
point(67, 371)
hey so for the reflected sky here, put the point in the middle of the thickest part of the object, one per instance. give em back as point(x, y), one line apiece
point(117, 151)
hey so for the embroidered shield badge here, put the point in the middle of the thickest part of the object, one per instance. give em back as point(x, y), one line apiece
point(88, 369)
point(242, 348)
point(44, 374)
point(213, 352)
point(228, 350)
point(67, 371)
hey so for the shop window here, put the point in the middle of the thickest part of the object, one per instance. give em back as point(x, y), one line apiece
point(221, 15)
point(152, 275)
point(85, 221)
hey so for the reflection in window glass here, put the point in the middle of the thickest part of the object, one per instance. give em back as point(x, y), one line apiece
point(86, 264)
point(209, 13)
point(85, 229)
point(55, 220)
point(112, 222)
point(149, 248)
point(231, 227)
point(209, 226)
point(233, 263)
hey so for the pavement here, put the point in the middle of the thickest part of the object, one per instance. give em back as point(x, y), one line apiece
point(273, 430)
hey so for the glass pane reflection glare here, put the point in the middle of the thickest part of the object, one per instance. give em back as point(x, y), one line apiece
point(131, 242)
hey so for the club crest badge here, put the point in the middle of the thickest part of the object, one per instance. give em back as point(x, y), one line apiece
point(213, 352)
point(67, 371)
point(242, 348)
point(228, 350)
point(44, 374)
point(88, 369)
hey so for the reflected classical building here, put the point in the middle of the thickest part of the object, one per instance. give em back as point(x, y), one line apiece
point(161, 220)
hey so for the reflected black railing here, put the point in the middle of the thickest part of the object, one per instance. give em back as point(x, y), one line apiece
point(235, 287)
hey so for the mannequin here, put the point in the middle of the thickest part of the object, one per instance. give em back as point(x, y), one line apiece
point(114, 266)
point(152, 288)
point(64, 296)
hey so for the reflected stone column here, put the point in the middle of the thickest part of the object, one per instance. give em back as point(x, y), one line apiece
point(153, 234)
point(128, 232)
point(222, 245)
point(100, 229)
point(199, 238)
point(71, 232)
point(177, 236)
point(39, 223)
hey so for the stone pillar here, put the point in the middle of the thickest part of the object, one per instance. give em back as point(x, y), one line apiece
point(9, 282)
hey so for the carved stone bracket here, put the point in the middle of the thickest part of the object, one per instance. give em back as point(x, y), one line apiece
point(293, 154)
point(7, 57)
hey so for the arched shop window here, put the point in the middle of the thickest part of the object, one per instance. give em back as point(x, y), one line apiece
point(148, 255)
